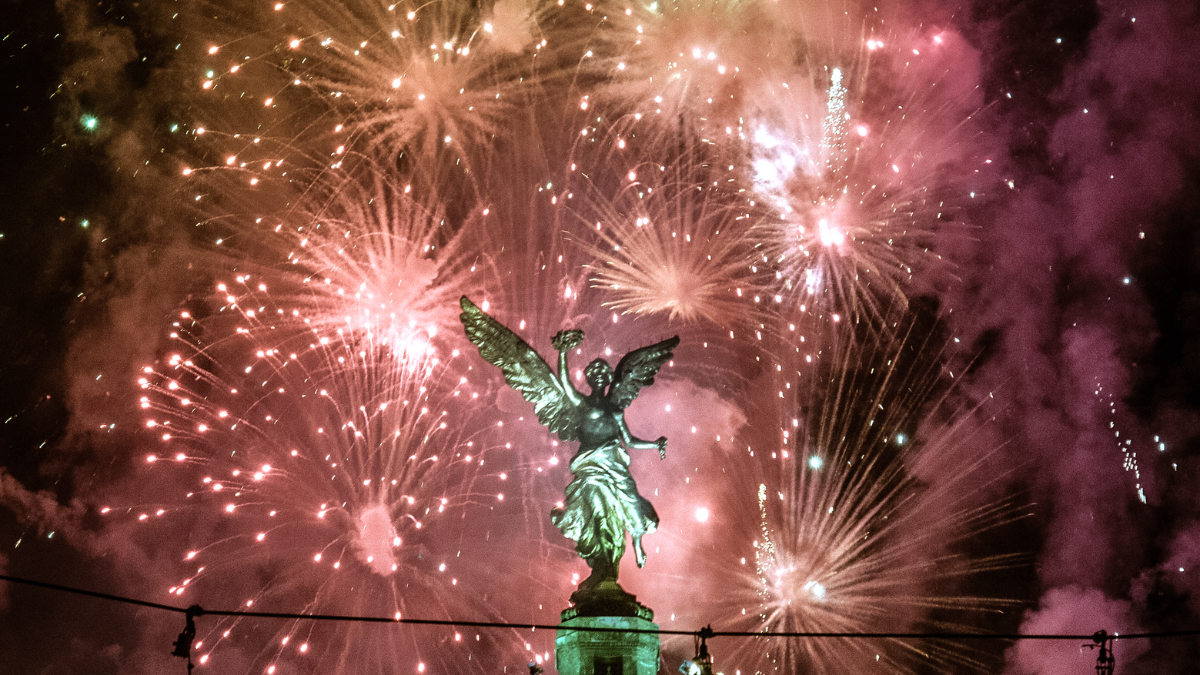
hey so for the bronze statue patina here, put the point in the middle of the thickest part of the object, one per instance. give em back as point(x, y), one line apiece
point(602, 502)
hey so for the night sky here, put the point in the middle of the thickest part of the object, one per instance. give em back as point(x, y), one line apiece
point(1056, 293)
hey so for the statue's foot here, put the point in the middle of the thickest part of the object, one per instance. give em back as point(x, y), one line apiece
point(639, 553)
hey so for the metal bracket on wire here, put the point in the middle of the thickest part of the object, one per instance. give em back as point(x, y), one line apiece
point(1105, 662)
point(183, 644)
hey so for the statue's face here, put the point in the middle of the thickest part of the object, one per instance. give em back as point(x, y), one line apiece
point(599, 374)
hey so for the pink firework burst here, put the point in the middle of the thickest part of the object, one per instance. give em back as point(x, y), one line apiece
point(321, 477)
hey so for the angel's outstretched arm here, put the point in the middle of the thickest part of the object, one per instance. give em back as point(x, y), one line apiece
point(634, 443)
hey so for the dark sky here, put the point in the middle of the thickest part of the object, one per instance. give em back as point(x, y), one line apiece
point(1074, 292)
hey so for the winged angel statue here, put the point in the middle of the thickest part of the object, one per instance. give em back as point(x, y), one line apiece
point(602, 501)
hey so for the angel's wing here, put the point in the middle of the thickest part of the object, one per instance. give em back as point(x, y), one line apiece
point(637, 370)
point(523, 368)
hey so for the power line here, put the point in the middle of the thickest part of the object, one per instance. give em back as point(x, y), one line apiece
point(197, 610)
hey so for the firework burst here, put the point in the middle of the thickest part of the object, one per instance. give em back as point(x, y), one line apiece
point(418, 77)
point(325, 438)
point(668, 60)
point(323, 474)
point(358, 260)
point(866, 499)
point(858, 185)
point(679, 249)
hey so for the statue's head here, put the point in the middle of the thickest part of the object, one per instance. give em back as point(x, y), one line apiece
point(599, 375)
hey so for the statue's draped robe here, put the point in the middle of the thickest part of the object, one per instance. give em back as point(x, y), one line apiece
point(602, 502)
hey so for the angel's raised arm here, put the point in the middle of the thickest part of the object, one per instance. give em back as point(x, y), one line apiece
point(564, 341)
point(524, 370)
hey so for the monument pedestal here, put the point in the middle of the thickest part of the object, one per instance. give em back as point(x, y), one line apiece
point(580, 652)
point(609, 652)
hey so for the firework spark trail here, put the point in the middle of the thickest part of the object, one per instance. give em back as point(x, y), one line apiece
point(527, 267)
